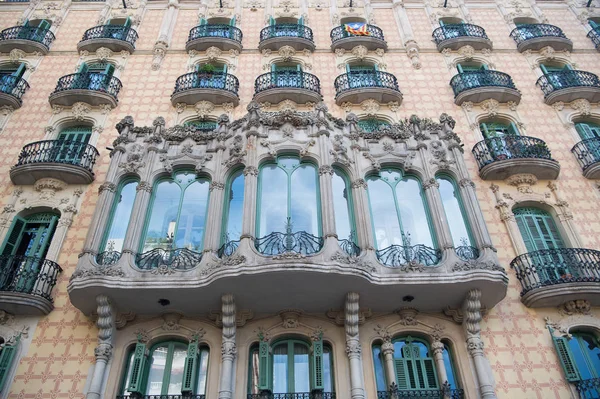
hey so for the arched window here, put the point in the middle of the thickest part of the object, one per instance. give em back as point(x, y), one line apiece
point(370, 125)
point(342, 206)
point(210, 75)
point(456, 217)
point(363, 74)
point(588, 130)
point(537, 229)
point(171, 368)
point(415, 366)
point(72, 143)
point(177, 213)
point(233, 216)
point(119, 217)
point(379, 369)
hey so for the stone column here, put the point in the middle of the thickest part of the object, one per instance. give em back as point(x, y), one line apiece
point(164, 36)
point(364, 229)
point(327, 211)
point(214, 217)
point(353, 349)
point(250, 193)
point(471, 324)
point(438, 355)
point(387, 349)
point(228, 347)
point(103, 352)
point(438, 214)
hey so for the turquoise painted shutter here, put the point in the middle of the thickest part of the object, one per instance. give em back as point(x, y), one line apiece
point(190, 370)
point(203, 21)
point(460, 68)
point(544, 69)
point(525, 234)
point(429, 374)
point(127, 23)
point(513, 129)
point(565, 356)
point(538, 229)
point(6, 359)
point(401, 373)
point(484, 67)
point(442, 23)
point(593, 24)
point(20, 70)
point(317, 361)
point(44, 24)
point(301, 21)
point(26, 23)
point(271, 20)
point(136, 381)
point(264, 366)
point(109, 70)
point(587, 130)
point(83, 68)
point(232, 21)
point(14, 236)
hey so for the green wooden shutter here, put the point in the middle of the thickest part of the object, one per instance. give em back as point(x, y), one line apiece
point(301, 20)
point(127, 23)
point(83, 68)
point(565, 356)
point(442, 23)
point(20, 70)
point(513, 129)
point(484, 67)
point(109, 69)
point(317, 361)
point(44, 24)
point(537, 229)
point(431, 381)
point(264, 366)
point(525, 233)
point(232, 21)
point(136, 381)
point(401, 373)
point(203, 21)
point(6, 359)
point(587, 130)
point(190, 370)
point(271, 20)
point(460, 68)
point(593, 24)
point(14, 236)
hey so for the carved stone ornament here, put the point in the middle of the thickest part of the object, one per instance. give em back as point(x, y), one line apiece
point(490, 107)
point(471, 265)
point(286, 53)
point(104, 53)
point(360, 52)
point(97, 272)
point(80, 110)
point(213, 53)
point(370, 106)
point(579, 306)
point(353, 262)
point(16, 56)
point(289, 318)
point(522, 182)
point(583, 106)
point(467, 52)
point(171, 321)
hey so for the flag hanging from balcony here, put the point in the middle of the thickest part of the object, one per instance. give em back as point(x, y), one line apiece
point(357, 29)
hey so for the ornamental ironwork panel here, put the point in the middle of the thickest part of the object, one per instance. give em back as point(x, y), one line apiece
point(59, 151)
point(28, 275)
point(363, 79)
point(299, 242)
point(286, 30)
point(14, 86)
point(340, 32)
point(531, 31)
point(422, 393)
point(302, 395)
point(207, 80)
point(33, 33)
point(400, 255)
point(94, 81)
point(287, 79)
point(475, 79)
point(108, 258)
point(348, 246)
point(177, 259)
point(118, 32)
point(222, 31)
point(228, 248)
point(594, 35)
point(509, 147)
point(458, 30)
point(589, 388)
point(467, 252)
point(565, 79)
point(556, 266)
point(587, 152)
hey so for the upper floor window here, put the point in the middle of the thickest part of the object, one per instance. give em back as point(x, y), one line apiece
point(94, 76)
point(588, 130)
point(72, 144)
point(10, 76)
point(537, 229)
point(177, 213)
point(455, 214)
point(234, 208)
point(415, 366)
point(30, 236)
point(370, 125)
point(498, 129)
point(342, 206)
point(594, 22)
point(464, 67)
point(119, 217)
point(7, 355)
point(556, 74)
point(579, 355)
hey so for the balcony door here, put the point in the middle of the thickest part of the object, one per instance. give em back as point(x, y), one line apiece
point(113, 30)
point(500, 139)
point(452, 30)
point(34, 32)
point(590, 132)
point(362, 76)
point(287, 75)
point(94, 76)
point(211, 76)
point(472, 80)
point(72, 143)
point(10, 76)
point(557, 79)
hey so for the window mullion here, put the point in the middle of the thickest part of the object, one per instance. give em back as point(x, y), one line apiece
point(291, 382)
point(289, 194)
point(181, 194)
point(167, 372)
point(395, 197)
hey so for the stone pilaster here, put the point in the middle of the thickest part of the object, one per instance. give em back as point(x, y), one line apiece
point(437, 347)
point(228, 347)
point(103, 352)
point(387, 349)
point(353, 348)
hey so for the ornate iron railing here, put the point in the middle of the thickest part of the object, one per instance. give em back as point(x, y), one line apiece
point(28, 275)
point(474, 79)
point(467, 252)
point(588, 389)
point(565, 79)
point(458, 30)
point(228, 248)
point(108, 258)
point(302, 395)
point(176, 259)
point(348, 246)
point(186, 396)
point(33, 33)
point(361, 79)
point(14, 1)
point(400, 255)
point(509, 147)
point(299, 242)
point(287, 79)
point(340, 32)
point(531, 31)
point(207, 80)
point(422, 393)
point(594, 35)
point(223, 31)
point(94, 81)
point(556, 266)
point(59, 151)
point(587, 152)
point(286, 30)
point(13, 85)
point(118, 32)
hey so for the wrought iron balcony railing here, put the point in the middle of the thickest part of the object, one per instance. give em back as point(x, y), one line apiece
point(14, 1)
point(28, 275)
point(118, 32)
point(509, 147)
point(553, 81)
point(223, 31)
point(302, 395)
point(363, 79)
point(588, 389)
point(228, 248)
point(422, 393)
point(476, 79)
point(400, 255)
point(467, 252)
point(532, 31)
point(340, 32)
point(108, 258)
point(299, 242)
point(207, 80)
point(587, 152)
point(286, 30)
point(14, 86)
point(287, 79)
point(348, 246)
point(556, 266)
point(59, 151)
point(186, 396)
point(40, 35)
point(93, 81)
point(176, 259)
point(594, 35)
point(458, 30)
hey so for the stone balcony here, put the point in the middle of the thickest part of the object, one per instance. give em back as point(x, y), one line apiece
point(216, 87)
point(501, 157)
point(456, 36)
point(29, 39)
point(274, 37)
point(341, 39)
point(88, 87)
point(71, 162)
point(587, 153)
point(298, 86)
point(478, 86)
point(114, 37)
point(569, 85)
point(12, 89)
point(552, 277)
point(356, 87)
point(224, 37)
point(537, 36)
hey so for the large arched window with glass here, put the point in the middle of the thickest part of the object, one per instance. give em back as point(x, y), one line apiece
point(166, 368)
point(401, 224)
point(120, 214)
point(290, 366)
point(457, 219)
point(174, 232)
point(232, 214)
point(344, 217)
point(288, 214)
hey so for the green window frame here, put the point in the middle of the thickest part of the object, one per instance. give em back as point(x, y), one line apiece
point(498, 129)
point(343, 213)
point(72, 143)
point(449, 365)
point(588, 130)
point(538, 229)
point(471, 68)
point(120, 214)
point(414, 365)
point(30, 235)
point(579, 357)
point(8, 352)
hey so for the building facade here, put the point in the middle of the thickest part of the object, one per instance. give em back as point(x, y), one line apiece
point(300, 199)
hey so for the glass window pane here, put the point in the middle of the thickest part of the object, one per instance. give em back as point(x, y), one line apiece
point(304, 201)
point(449, 368)
point(236, 207)
point(280, 368)
point(163, 219)
point(580, 358)
point(383, 210)
point(412, 212)
point(273, 200)
point(454, 214)
point(327, 370)
point(379, 371)
point(124, 390)
point(157, 370)
point(301, 369)
point(190, 229)
point(341, 206)
point(253, 380)
point(177, 366)
point(202, 371)
point(120, 218)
